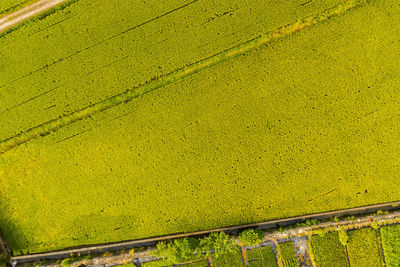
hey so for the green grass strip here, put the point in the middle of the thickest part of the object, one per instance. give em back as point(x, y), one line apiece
point(53, 125)
point(391, 244)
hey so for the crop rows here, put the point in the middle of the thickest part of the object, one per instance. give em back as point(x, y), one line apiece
point(114, 54)
point(301, 125)
point(391, 244)
point(361, 247)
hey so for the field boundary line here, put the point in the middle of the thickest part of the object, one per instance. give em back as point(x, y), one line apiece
point(158, 82)
point(266, 225)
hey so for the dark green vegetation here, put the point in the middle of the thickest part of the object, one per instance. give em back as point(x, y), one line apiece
point(288, 255)
point(363, 248)
point(328, 250)
point(251, 237)
point(238, 140)
point(180, 250)
point(261, 257)
point(391, 244)
point(68, 261)
point(191, 249)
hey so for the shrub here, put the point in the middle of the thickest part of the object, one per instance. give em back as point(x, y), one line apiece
point(4, 258)
point(375, 225)
point(68, 261)
point(179, 250)
point(107, 254)
point(251, 237)
point(220, 242)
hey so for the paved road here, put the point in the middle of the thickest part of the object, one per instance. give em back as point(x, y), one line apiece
point(27, 12)
point(98, 249)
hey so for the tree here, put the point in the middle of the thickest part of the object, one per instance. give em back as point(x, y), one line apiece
point(220, 242)
point(179, 250)
point(251, 237)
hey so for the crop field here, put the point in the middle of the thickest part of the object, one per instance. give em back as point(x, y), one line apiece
point(260, 257)
point(157, 263)
point(391, 244)
point(363, 248)
point(234, 143)
point(233, 259)
point(328, 250)
point(288, 255)
point(6, 5)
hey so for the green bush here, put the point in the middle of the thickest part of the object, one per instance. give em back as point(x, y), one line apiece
point(251, 237)
point(4, 258)
point(221, 243)
point(68, 261)
point(179, 250)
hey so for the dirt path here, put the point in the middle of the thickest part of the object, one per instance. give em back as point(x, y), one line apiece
point(27, 12)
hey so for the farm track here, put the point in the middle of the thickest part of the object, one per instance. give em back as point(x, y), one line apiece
point(101, 248)
point(28, 12)
point(172, 77)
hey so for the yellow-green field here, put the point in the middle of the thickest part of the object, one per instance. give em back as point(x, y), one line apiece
point(7, 6)
point(306, 123)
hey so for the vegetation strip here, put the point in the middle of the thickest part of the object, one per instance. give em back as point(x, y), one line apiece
point(129, 95)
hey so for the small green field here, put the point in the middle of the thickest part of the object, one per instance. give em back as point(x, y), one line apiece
point(328, 250)
point(233, 259)
point(260, 257)
point(288, 255)
point(363, 248)
point(235, 143)
point(391, 244)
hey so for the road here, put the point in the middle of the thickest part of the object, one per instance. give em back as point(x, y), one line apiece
point(27, 12)
point(101, 248)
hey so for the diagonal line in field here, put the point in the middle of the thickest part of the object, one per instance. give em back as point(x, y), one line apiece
point(130, 94)
point(100, 42)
